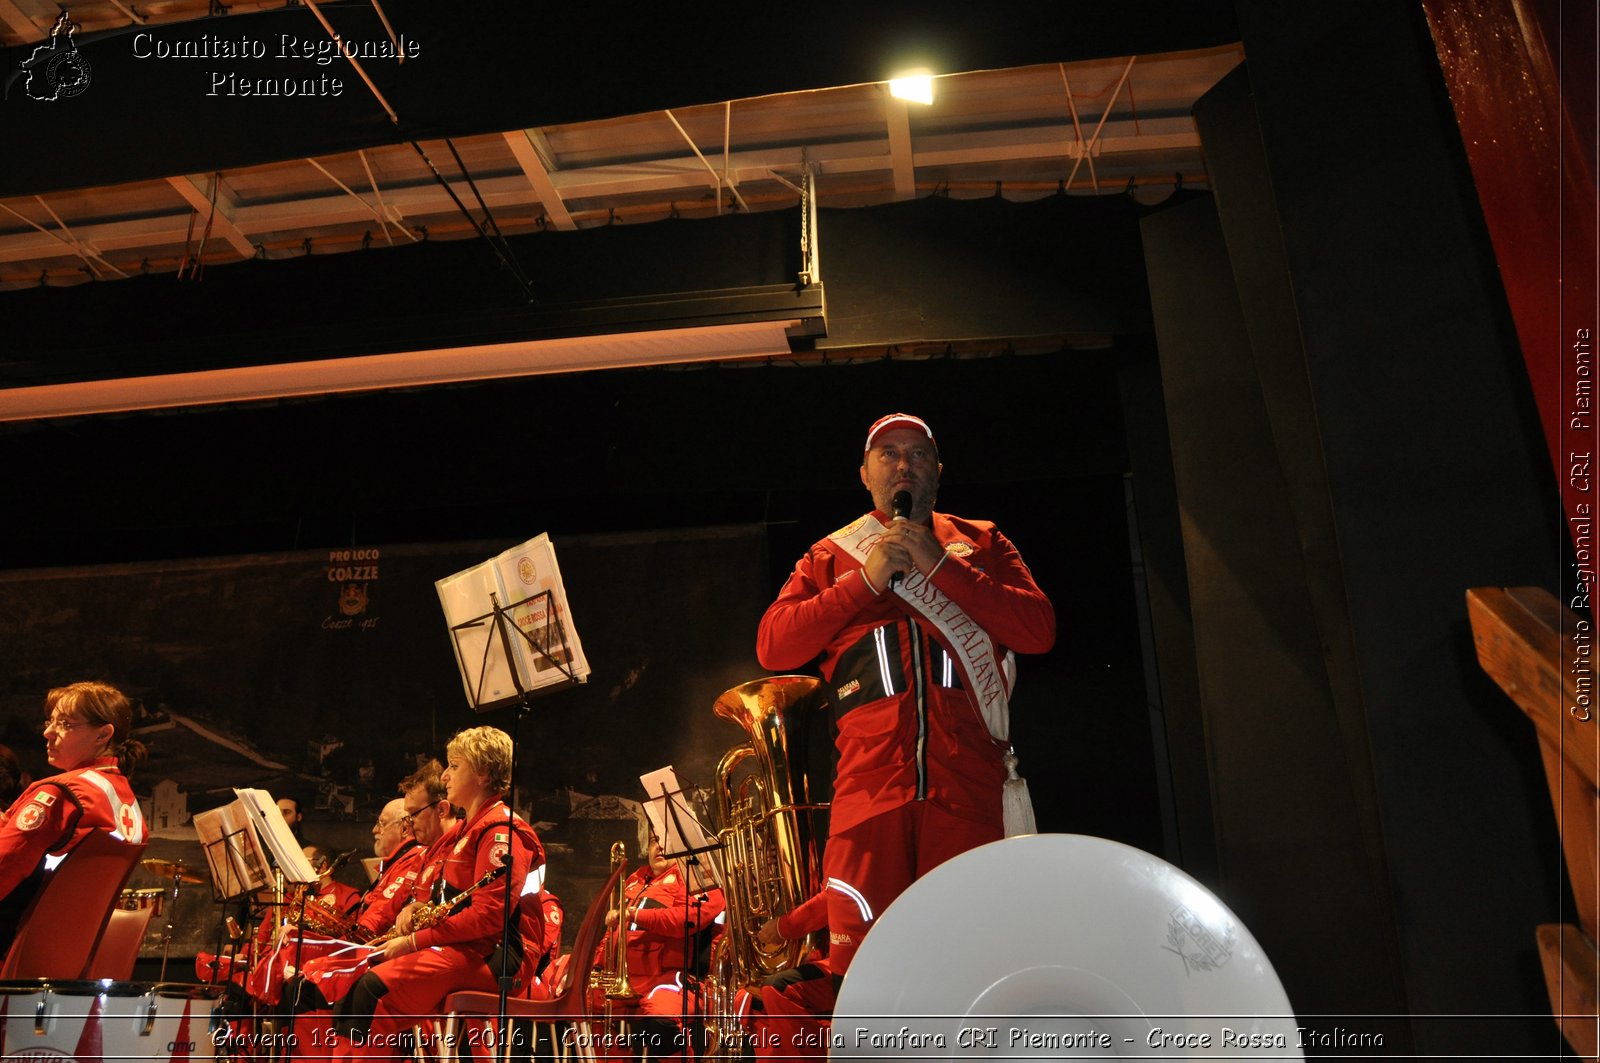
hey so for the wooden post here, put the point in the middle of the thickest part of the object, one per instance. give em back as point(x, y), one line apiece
point(1538, 651)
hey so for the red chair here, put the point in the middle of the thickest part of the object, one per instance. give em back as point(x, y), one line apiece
point(63, 923)
point(568, 997)
point(118, 950)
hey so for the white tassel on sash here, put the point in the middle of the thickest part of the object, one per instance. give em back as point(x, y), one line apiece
point(1017, 806)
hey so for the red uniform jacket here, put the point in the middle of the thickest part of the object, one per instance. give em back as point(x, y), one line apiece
point(470, 852)
point(907, 731)
point(54, 814)
point(661, 923)
point(393, 889)
point(340, 897)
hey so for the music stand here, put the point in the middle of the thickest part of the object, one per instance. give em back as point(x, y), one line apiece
point(682, 836)
point(238, 839)
point(498, 670)
point(676, 825)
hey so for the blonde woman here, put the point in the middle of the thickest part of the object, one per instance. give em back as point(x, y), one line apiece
point(416, 970)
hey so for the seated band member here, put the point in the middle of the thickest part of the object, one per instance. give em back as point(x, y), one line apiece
point(289, 808)
point(795, 1007)
point(86, 740)
point(417, 969)
point(397, 851)
point(343, 899)
point(664, 922)
point(426, 818)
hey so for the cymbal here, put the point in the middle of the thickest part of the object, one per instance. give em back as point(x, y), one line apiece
point(167, 869)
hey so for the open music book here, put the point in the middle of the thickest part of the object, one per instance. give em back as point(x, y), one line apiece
point(672, 818)
point(544, 647)
point(238, 839)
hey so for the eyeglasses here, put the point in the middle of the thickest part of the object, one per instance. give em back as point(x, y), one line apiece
point(63, 724)
point(406, 819)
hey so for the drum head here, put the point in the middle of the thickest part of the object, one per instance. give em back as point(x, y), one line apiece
point(1060, 946)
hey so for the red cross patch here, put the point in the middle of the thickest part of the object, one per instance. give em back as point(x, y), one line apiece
point(30, 817)
point(553, 916)
point(126, 821)
point(497, 854)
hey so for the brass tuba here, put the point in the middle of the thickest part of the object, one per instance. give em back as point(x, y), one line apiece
point(770, 860)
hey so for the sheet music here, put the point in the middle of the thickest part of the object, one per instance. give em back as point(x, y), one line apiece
point(228, 839)
point(262, 809)
point(526, 581)
point(675, 824)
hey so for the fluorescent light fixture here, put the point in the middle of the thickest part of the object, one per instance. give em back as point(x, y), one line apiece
point(407, 369)
point(913, 85)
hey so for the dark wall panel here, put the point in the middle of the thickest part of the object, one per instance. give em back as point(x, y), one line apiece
point(938, 270)
point(1399, 353)
point(1289, 813)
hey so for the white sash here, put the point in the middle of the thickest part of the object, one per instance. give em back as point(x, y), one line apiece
point(986, 676)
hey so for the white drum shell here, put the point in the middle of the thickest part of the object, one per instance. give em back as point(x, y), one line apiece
point(133, 1021)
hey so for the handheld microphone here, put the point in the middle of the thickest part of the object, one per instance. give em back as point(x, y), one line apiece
point(901, 505)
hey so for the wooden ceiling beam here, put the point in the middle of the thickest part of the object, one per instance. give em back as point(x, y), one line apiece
point(220, 219)
point(902, 161)
point(525, 145)
point(20, 25)
point(564, 194)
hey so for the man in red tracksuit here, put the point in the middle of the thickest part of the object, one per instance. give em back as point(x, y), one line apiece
point(397, 851)
point(913, 615)
point(343, 900)
point(664, 920)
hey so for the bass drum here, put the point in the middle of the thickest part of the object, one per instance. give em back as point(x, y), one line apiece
point(1051, 946)
point(41, 1021)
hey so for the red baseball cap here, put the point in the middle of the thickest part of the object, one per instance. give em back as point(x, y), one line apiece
point(898, 420)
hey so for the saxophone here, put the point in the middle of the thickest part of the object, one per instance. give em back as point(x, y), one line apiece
point(425, 915)
point(307, 912)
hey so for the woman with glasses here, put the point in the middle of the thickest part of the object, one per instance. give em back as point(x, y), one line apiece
point(416, 970)
point(87, 741)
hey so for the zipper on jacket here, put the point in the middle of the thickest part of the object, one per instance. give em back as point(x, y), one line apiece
point(920, 684)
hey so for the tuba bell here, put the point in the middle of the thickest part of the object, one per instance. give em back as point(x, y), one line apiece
point(769, 861)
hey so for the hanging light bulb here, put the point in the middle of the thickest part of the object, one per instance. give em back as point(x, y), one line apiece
point(913, 85)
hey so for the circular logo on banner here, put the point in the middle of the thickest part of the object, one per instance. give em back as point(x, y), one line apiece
point(525, 570)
